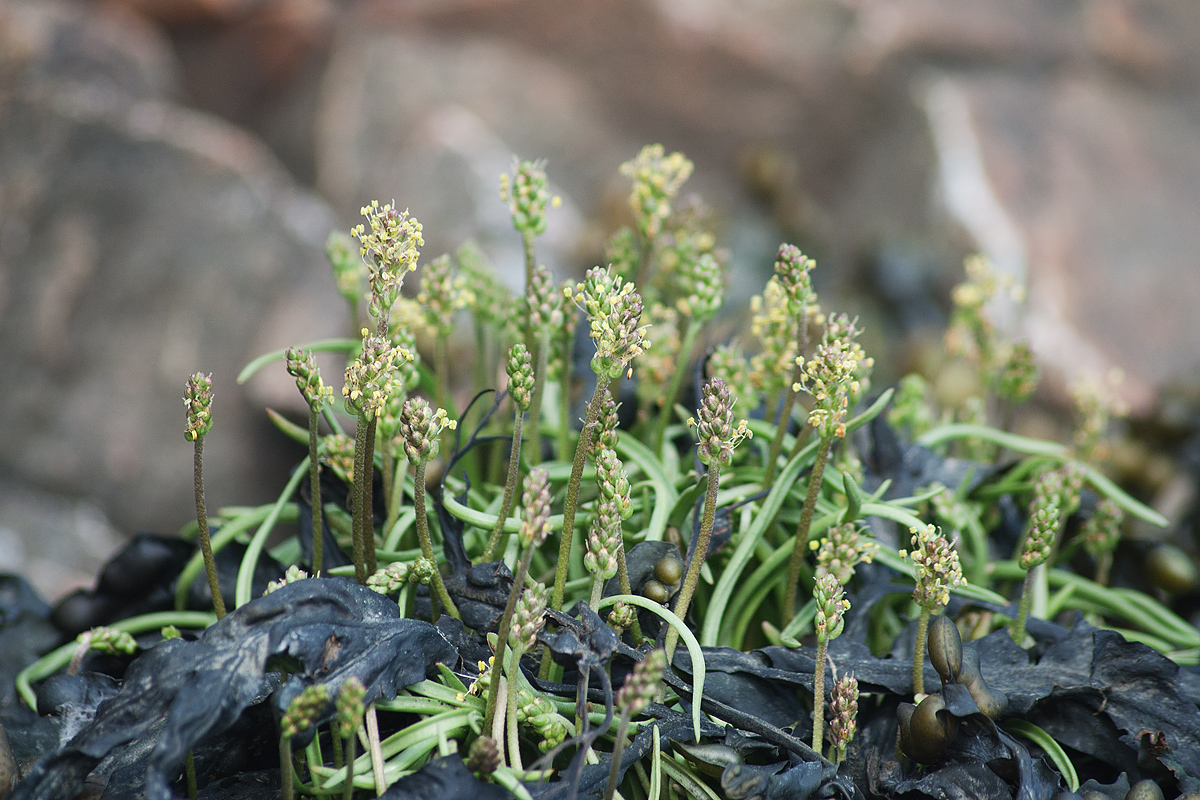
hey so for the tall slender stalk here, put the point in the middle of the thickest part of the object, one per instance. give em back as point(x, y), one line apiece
point(357, 536)
point(426, 543)
point(510, 488)
point(802, 530)
point(692, 578)
point(918, 667)
point(668, 408)
point(314, 493)
point(198, 401)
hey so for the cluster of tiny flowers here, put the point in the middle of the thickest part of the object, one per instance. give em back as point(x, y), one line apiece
point(304, 709)
point(701, 287)
point(441, 294)
point(1018, 375)
point(622, 252)
point(611, 482)
point(484, 756)
point(540, 714)
point(662, 359)
point(1095, 406)
point(519, 368)
point(971, 333)
point(368, 383)
point(483, 678)
point(729, 364)
point(337, 450)
point(404, 379)
point(293, 574)
point(937, 566)
point(420, 427)
point(843, 548)
point(682, 246)
point(527, 196)
point(833, 376)
point(642, 683)
point(831, 607)
point(774, 329)
point(621, 617)
point(1059, 488)
point(302, 366)
point(535, 521)
point(656, 180)
point(843, 712)
point(1039, 541)
point(606, 437)
point(490, 301)
point(349, 272)
point(911, 411)
point(390, 578)
point(527, 618)
point(423, 570)
point(393, 242)
point(603, 541)
point(109, 641)
point(715, 433)
point(1102, 531)
point(350, 708)
point(793, 269)
point(614, 310)
point(197, 399)
point(543, 305)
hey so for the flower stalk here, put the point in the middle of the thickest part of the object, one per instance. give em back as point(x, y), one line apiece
point(197, 399)
point(302, 366)
point(831, 607)
point(937, 572)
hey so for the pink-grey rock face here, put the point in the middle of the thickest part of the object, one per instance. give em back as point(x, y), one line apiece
point(140, 242)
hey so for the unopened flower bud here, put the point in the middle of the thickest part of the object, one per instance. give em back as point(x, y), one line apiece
point(197, 399)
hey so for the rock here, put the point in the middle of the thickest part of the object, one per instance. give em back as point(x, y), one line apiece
point(141, 242)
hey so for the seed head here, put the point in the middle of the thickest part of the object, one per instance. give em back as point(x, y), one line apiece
point(535, 521)
point(603, 542)
point(527, 196)
point(843, 548)
point(642, 684)
point(302, 366)
point(527, 619)
point(350, 706)
point(831, 606)
point(369, 378)
point(611, 482)
point(1102, 531)
point(520, 376)
point(656, 180)
point(793, 270)
point(489, 300)
point(543, 304)
point(614, 310)
point(197, 399)
point(420, 427)
point(843, 713)
point(715, 433)
point(391, 578)
point(834, 377)
point(937, 567)
point(661, 360)
point(109, 641)
point(304, 709)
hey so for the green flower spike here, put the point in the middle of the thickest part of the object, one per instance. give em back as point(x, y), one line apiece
point(421, 426)
point(293, 574)
point(484, 756)
point(391, 249)
point(350, 712)
point(611, 483)
point(1019, 374)
point(608, 423)
point(527, 194)
point(843, 715)
point(938, 571)
point(728, 363)
point(716, 438)
point(774, 329)
point(603, 542)
point(102, 639)
point(843, 548)
point(535, 527)
point(304, 709)
point(638, 691)
point(1054, 490)
point(793, 274)
point(656, 178)
point(349, 271)
point(831, 607)
point(302, 366)
point(531, 606)
point(392, 578)
point(621, 617)
point(1101, 534)
point(519, 367)
point(197, 400)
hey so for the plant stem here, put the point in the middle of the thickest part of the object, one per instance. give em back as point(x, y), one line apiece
point(210, 564)
point(614, 766)
point(1102, 568)
point(541, 351)
point(502, 636)
point(189, 769)
point(918, 672)
point(357, 536)
point(351, 744)
point(818, 713)
point(510, 713)
point(338, 759)
point(285, 768)
point(1018, 628)
point(314, 494)
point(372, 721)
point(668, 408)
point(441, 368)
point(510, 488)
point(572, 500)
point(368, 504)
point(802, 530)
point(698, 555)
point(427, 545)
point(564, 409)
point(789, 402)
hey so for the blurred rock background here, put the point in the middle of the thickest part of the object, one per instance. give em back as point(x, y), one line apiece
point(170, 169)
